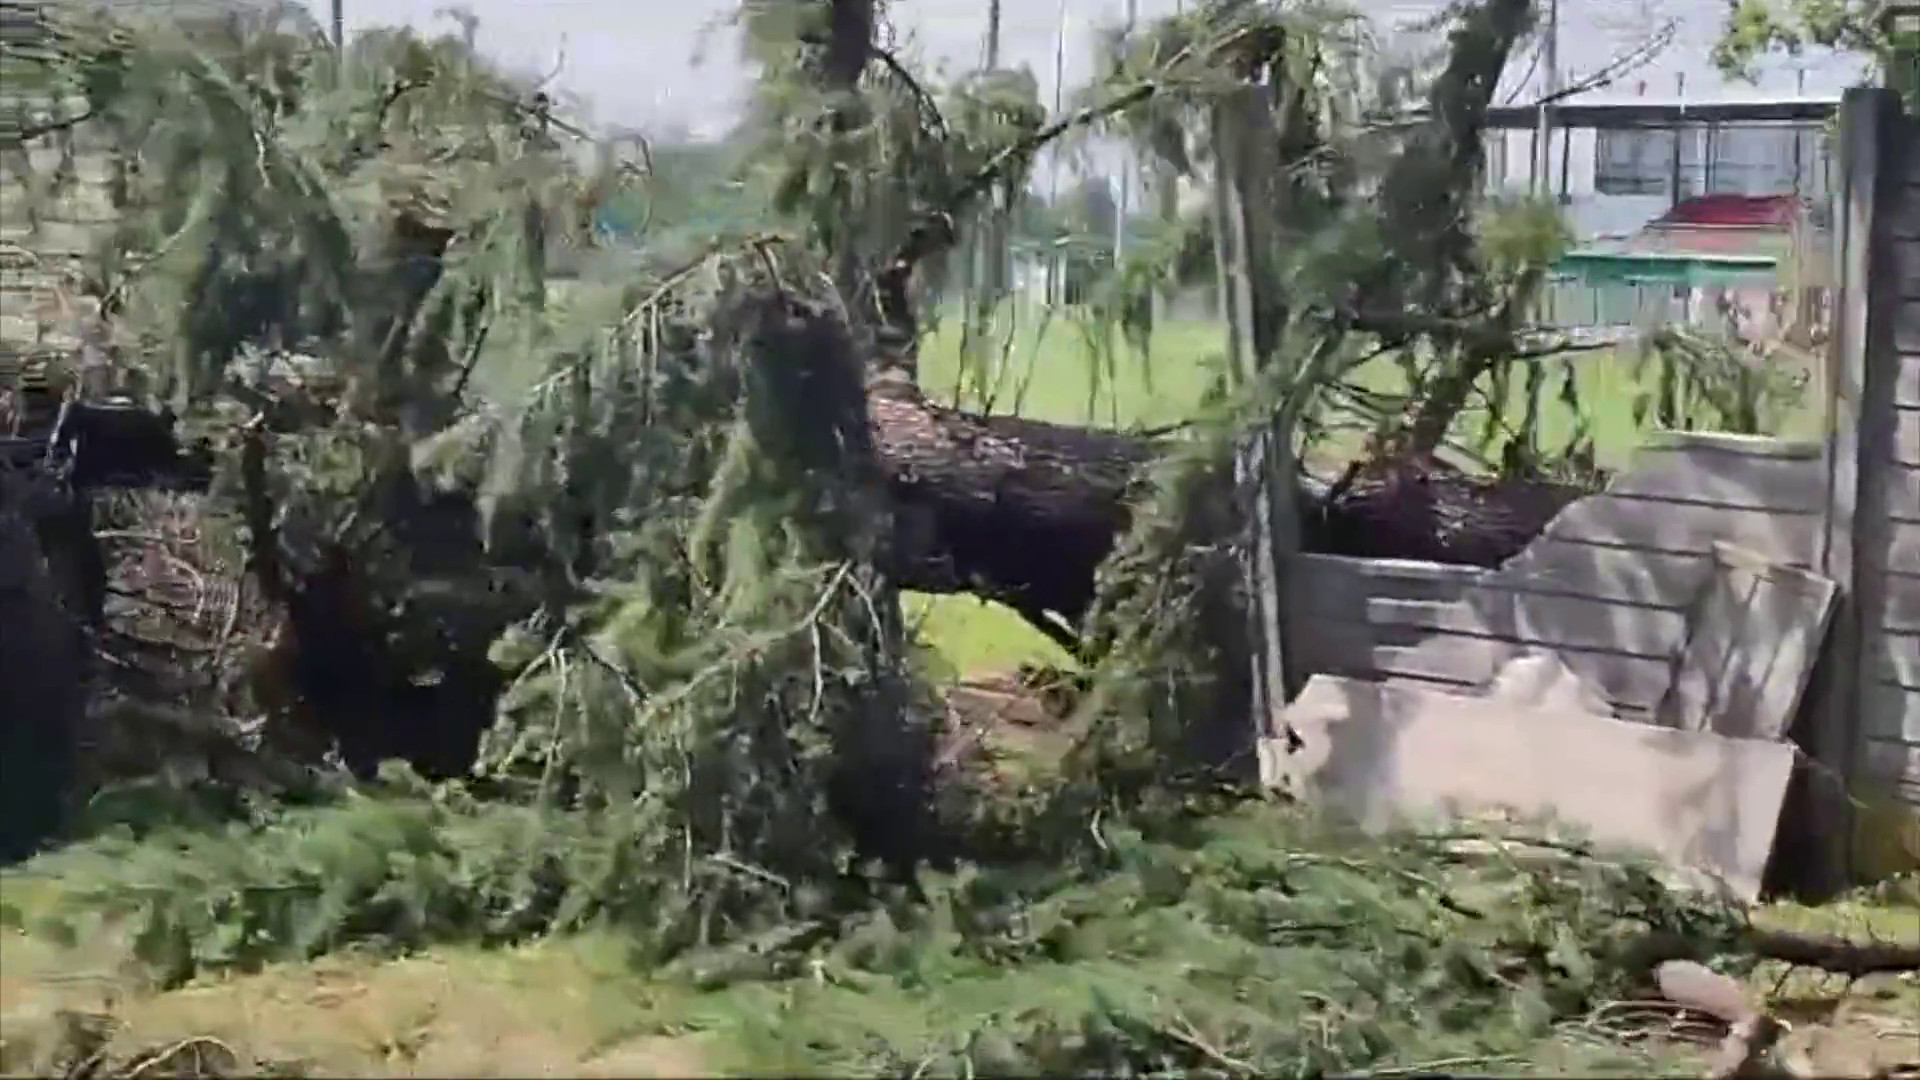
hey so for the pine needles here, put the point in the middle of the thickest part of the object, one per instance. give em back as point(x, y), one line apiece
point(1253, 942)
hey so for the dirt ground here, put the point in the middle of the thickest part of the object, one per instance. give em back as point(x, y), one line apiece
point(1011, 723)
point(553, 1009)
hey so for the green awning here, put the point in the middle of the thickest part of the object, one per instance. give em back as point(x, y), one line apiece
point(1664, 268)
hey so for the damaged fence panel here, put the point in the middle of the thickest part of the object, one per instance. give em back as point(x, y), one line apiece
point(1697, 591)
point(1384, 753)
point(1753, 637)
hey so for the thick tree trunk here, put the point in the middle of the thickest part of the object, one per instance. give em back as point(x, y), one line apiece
point(43, 677)
point(1019, 511)
point(1023, 512)
point(1014, 510)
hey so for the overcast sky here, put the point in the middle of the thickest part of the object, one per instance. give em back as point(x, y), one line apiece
point(656, 64)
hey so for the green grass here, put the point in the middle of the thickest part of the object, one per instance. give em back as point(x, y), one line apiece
point(1052, 359)
point(977, 637)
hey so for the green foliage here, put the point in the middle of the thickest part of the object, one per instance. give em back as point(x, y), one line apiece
point(716, 666)
point(1516, 237)
point(859, 149)
point(1169, 622)
point(1756, 28)
point(1252, 942)
point(1698, 381)
point(1439, 279)
point(678, 529)
point(269, 182)
point(395, 872)
point(694, 192)
point(1260, 945)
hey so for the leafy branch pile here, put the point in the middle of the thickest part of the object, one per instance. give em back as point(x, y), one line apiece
point(656, 562)
point(1240, 943)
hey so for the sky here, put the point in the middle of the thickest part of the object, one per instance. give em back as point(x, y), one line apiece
point(665, 65)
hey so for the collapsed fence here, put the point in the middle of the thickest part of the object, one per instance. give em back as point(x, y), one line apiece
point(1614, 586)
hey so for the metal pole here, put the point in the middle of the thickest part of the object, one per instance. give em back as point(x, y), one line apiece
point(1543, 124)
point(1056, 277)
point(1130, 166)
point(994, 266)
point(1542, 186)
point(1553, 47)
point(339, 26)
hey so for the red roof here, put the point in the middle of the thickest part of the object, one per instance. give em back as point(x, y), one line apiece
point(1739, 211)
point(1712, 240)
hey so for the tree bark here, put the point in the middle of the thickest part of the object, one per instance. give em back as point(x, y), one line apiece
point(1014, 510)
point(1024, 512)
point(43, 677)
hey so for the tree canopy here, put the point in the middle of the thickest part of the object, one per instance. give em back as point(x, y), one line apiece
point(1756, 28)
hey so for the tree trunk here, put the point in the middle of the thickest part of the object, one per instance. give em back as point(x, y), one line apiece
point(1023, 512)
point(1019, 511)
point(1014, 510)
point(43, 677)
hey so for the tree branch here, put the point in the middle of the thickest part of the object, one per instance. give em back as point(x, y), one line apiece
point(927, 103)
point(30, 132)
point(936, 232)
point(1835, 954)
point(1619, 67)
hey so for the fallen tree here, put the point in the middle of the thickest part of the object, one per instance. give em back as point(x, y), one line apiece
point(1024, 512)
point(405, 292)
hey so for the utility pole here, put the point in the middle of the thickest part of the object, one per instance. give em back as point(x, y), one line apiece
point(1167, 184)
point(1543, 187)
point(1543, 124)
point(339, 27)
point(1056, 275)
point(1131, 165)
point(994, 266)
